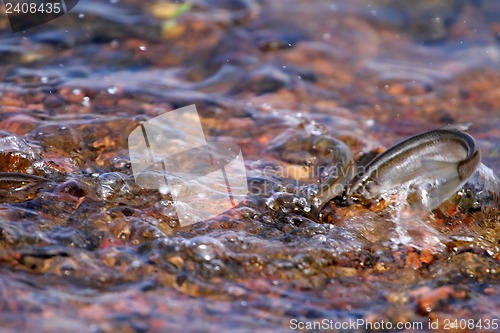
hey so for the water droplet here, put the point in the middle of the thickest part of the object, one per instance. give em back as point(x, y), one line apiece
point(112, 90)
point(86, 101)
point(204, 248)
point(163, 189)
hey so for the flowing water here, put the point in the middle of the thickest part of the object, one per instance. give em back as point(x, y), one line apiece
point(296, 84)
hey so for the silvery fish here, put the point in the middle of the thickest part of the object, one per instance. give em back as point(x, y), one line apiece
point(435, 164)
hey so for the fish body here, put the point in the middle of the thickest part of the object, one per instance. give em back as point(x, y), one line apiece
point(19, 187)
point(17, 181)
point(437, 163)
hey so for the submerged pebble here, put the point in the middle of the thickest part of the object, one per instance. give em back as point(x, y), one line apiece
point(16, 155)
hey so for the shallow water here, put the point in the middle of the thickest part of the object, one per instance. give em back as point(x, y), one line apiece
point(91, 251)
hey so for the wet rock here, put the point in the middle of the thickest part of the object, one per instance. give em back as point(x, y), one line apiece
point(57, 137)
point(16, 155)
point(465, 266)
point(135, 231)
point(363, 221)
point(429, 300)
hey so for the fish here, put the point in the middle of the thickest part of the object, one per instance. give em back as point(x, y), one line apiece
point(434, 163)
point(17, 181)
point(18, 187)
